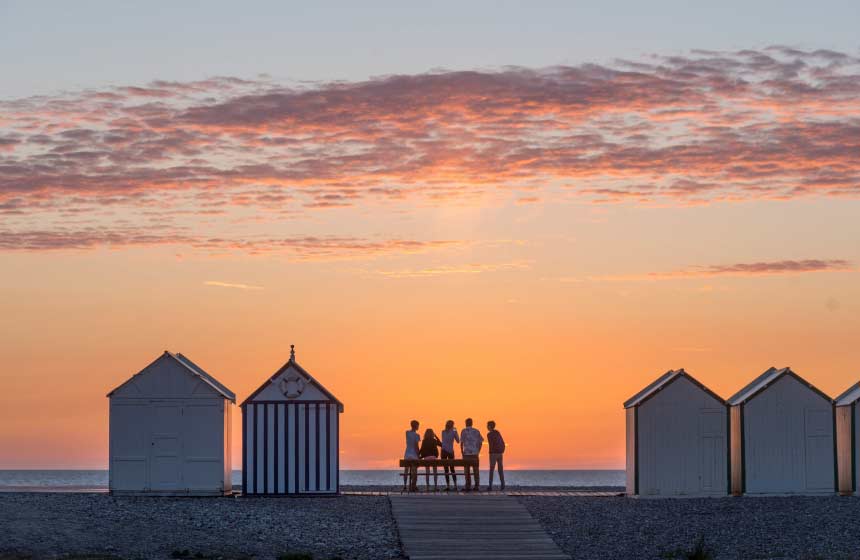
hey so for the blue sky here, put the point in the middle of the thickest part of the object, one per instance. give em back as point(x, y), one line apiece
point(50, 46)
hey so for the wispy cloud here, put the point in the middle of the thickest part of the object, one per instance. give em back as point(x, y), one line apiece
point(448, 270)
point(763, 268)
point(307, 248)
point(219, 284)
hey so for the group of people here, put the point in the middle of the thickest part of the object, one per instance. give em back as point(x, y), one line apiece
point(471, 441)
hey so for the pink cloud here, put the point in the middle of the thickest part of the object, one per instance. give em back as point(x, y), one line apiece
point(297, 247)
point(761, 268)
point(774, 123)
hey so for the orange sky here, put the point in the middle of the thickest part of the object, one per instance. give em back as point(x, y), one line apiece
point(524, 245)
point(543, 350)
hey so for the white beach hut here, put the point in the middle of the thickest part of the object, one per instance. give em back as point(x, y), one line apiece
point(847, 439)
point(782, 436)
point(677, 439)
point(170, 431)
point(290, 435)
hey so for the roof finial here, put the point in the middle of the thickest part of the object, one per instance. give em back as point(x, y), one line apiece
point(292, 352)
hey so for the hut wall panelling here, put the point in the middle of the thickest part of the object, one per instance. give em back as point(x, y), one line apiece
point(788, 447)
point(631, 450)
point(169, 431)
point(291, 447)
point(845, 449)
point(682, 445)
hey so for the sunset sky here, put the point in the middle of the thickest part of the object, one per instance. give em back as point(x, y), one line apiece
point(519, 211)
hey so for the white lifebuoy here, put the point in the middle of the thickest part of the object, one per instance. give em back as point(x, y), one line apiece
point(292, 385)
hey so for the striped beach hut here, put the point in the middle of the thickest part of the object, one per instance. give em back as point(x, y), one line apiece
point(290, 435)
point(782, 436)
point(847, 439)
point(677, 439)
point(170, 431)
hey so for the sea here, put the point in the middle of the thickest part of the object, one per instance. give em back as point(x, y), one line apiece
point(97, 480)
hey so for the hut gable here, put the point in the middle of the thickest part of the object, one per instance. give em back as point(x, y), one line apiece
point(849, 397)
point(172, 376)
point(663, 382)
point(765, 380)
point(292, 383)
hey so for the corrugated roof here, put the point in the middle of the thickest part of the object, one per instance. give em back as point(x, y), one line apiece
point(195, 370)
point(767, 378)
point(850, 396)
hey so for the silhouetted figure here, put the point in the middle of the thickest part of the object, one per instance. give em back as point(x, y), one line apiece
point(470, 445)
point(497, 450)
point(430, 450)
point(411, 454)
point(449, 436)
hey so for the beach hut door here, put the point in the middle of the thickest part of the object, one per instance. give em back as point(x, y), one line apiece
point(165, 465)
point(819, 450)
point(713, 450)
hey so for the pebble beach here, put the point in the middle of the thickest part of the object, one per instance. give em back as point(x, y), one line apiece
point(50, 525)
point(796, 527)
point(88, 525)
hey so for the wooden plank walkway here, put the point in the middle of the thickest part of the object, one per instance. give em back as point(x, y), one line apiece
point(470, 527)
point(547, 493)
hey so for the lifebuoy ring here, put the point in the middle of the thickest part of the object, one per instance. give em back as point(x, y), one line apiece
point(292, 385)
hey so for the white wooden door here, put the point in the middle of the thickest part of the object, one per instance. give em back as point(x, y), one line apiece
point(204, 449)
point(129, 445)
point(165, 459)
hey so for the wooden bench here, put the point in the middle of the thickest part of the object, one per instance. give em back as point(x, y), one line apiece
point(449, 464)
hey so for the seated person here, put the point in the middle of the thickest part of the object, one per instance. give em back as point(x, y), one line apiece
point(430, 450)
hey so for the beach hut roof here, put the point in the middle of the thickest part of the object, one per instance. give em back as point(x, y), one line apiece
point(194, 369)
point(294, 364)
point(664, 381)
point(850, 396)
point(765, 380)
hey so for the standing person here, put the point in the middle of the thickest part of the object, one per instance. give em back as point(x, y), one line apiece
point(449, 436)
point(497, 450)
point(470, 445)
point(411, 454)
point(430, 450)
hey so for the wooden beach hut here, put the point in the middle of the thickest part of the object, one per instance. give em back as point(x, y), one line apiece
point(847, 440)
point(782, 436)
point(290, 435)
point(170, 431)
point(677, 439)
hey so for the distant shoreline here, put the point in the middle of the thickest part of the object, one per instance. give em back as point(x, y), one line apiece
point(39, 480)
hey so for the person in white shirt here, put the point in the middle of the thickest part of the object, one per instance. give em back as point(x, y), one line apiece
point(449, 436)
point(470, 445)
point(411, 454)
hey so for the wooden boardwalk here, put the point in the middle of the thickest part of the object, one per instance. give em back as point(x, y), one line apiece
point(470, 527)
point(545, 493)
